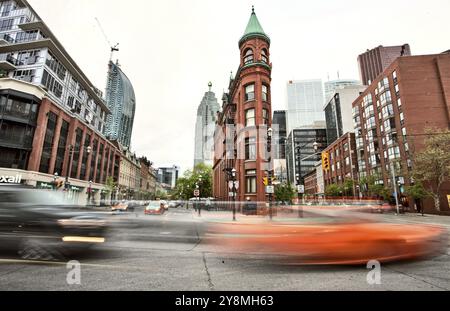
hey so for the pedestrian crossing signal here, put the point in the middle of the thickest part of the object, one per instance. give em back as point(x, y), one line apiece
point(325, 161)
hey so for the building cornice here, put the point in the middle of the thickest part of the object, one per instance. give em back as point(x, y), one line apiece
point(22, 87)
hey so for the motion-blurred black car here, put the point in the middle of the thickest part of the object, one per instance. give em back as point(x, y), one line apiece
point(39, 225)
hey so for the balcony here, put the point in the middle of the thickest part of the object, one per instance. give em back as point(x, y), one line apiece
point(6, 39)
point(7, 62)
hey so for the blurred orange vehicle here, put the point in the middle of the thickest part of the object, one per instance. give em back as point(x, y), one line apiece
point(335, 243)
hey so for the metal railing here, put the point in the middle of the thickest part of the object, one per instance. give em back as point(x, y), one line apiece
point(8, 58)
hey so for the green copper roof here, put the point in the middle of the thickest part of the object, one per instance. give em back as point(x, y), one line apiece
point(254, 29)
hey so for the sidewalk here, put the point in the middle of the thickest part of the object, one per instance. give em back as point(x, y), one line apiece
point(418, 219)
point(286, 218)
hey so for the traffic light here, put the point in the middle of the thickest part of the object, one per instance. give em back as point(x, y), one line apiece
point(267, 181)
point(325, 161)
point(59, 184)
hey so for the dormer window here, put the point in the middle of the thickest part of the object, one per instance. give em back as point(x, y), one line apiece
point(264, 57)
point(248, 56)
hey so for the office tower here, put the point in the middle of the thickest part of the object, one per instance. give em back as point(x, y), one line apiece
point(204, 128)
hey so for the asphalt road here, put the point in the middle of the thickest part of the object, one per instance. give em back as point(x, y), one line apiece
point(169, 252)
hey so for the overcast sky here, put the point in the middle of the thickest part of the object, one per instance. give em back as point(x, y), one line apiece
point(170, 50)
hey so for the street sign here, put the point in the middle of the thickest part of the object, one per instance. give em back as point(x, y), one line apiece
point(230, 184)
point(301, 189)
point(231, 194)
point(270, 189)
point(196, 193)
point(236, 184)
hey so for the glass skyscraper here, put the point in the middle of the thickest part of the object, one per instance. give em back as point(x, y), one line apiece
point(204, 128)
point(121, 101)
point(305, 101)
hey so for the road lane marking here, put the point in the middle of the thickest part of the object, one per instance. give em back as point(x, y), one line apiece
point(56, 263)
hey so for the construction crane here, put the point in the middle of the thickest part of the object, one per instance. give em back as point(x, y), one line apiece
point(114, 48)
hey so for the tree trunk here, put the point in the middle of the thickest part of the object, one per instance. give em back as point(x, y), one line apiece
point(437, 202)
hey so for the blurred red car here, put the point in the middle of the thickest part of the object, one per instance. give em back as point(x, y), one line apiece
point(335, 243)
point(154, 208)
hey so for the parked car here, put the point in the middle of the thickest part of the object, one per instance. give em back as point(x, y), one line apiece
point(175, 204)
point(39, 224)
point(164, 204)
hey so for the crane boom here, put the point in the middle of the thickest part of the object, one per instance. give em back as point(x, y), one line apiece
point(114, 48)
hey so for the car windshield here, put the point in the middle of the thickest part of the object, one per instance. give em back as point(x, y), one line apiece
point(153, 206)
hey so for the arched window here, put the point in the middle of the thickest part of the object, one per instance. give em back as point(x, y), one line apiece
point(248, 56)
point(264, 57)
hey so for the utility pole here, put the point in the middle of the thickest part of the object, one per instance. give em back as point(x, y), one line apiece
point(395, 188)
point(270, 184)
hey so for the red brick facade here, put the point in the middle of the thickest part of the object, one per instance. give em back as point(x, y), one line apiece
point(343, 161)
point(232, 152)
point(391, 116)
point(311, 183)
point(108, 161)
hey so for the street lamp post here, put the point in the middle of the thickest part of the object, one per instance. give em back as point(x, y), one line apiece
point(69, 167)
point(269, 149)
point(55, 177)
point(233, 175)
point(89, 192)
point(299, 196)
point(394, 180)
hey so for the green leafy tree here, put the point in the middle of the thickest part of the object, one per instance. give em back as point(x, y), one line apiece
point(201, 175)
point(432, 164)
point(379, 191)
point(284, 192)
point(348, 187)
point(333, 190)
point(162, 195)
point(110, 186)
point(417, 191)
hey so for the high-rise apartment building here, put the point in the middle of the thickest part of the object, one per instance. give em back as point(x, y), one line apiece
point(392, 115)
point(204, 128)
point(305, 100)
point(121, 101)
point(373, 62)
